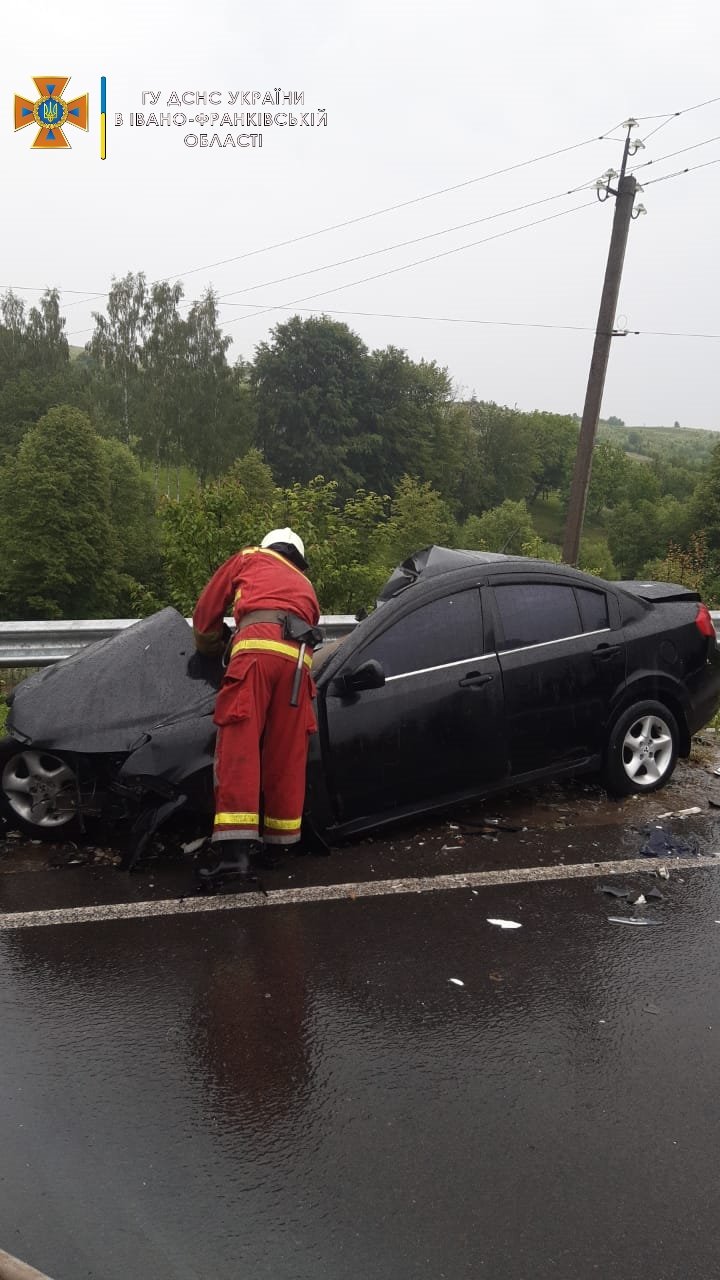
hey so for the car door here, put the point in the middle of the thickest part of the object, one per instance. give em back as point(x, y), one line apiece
point(562, 656)
point(434, 731)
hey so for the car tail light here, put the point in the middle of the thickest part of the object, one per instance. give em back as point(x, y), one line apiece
point(704, 622)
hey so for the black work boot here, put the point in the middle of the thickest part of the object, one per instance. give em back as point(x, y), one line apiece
point(268, 856)
point(227, 858)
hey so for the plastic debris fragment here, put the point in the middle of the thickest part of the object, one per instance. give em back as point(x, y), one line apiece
point(662, 844)
point(458, 982)
point(449, 848)
point(631, 920)
point(193, 845)
point(640, 902)
point(504, 924)
point(663, 873)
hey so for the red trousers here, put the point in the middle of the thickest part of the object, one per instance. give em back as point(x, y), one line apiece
point(262, 745)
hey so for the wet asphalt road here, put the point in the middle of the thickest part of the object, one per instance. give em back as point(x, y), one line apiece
point(301, 1091)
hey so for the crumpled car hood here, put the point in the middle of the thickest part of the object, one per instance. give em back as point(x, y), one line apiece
point(113, 693)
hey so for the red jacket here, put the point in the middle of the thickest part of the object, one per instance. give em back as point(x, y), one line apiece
point(255, 578)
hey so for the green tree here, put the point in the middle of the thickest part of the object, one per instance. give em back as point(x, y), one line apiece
point(609, 469)
point(554, 438)
point(633, 535)
point(61, 553)
point(505, 457)
point(406, 408)
point(116, 346)
point(134, 519)
point(705, 504)
point(419, 517)
point(506, 528)
point(311, 387)
point(203, 529)
point(212, 436)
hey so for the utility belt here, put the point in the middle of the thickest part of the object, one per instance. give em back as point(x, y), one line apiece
point(294, 629)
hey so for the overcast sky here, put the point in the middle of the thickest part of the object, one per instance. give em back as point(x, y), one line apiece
point(419, 97)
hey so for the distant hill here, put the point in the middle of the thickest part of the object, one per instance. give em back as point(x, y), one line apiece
point(683, 446)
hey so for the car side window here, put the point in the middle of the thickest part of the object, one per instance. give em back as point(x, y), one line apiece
point(593, 609)
point(443, 631)
point(535, 612)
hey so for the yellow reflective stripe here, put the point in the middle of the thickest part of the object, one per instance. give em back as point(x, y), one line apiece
point(282, 824)
point(265, 551)
point(237, 819)
point(270, 646)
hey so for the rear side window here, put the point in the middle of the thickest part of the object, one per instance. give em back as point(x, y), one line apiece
point(444, 631)
point(535, 612)
point(593, 609)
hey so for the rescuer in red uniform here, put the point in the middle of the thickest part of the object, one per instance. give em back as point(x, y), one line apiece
point(264, 710)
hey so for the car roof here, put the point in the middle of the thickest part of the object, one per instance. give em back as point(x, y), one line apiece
point(436, 560)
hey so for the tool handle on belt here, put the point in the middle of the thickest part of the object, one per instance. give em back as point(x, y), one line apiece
point(295, 694)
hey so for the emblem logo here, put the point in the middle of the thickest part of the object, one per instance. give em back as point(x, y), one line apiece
point(51, 113)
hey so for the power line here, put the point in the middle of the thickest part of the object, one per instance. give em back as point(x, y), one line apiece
point(392, 208)
point(446, 253)
point(683, 112)
point(403, 244)
point(671, 154)
point(680, 172)
point(89, 296)
point(417, 263)
point(375, 213)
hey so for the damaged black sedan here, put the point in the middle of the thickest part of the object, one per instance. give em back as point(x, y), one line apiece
point(476, 672)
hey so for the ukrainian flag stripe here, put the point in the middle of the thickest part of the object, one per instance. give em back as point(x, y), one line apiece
point(103, 118)
point(237, 819)
point(282, 824)
point(254, 645)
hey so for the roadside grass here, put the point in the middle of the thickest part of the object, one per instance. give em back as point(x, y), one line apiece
point(548, 517)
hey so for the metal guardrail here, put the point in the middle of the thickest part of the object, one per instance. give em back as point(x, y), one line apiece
point(37, 644)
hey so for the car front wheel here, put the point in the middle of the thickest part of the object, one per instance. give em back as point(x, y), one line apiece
point(642, 749)
point(39, 793)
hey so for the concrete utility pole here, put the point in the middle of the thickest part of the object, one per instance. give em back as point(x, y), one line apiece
point(604, 333)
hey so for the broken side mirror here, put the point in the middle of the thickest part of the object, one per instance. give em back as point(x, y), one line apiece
point(369, 675)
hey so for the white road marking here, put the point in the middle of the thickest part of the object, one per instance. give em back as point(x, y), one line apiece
point(339, 892)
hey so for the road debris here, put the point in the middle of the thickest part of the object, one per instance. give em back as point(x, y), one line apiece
point(458, 982)
point(193, 845)
point(663, 873)
point(632, 920)
point(662, 844)
point(450, 848)
point(680, 813)
point(504, 924)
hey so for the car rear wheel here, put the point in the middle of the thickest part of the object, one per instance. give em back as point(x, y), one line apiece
point(39, 793)
point(642, 749)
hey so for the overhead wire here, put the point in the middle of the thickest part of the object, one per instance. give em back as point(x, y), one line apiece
point(403, 244)
point(374, 213)
point(446, 253)
point(509, 324)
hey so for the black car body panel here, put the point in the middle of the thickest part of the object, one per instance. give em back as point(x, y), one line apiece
point(476, 672)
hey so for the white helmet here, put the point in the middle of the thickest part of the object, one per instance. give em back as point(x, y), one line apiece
point(286, 537)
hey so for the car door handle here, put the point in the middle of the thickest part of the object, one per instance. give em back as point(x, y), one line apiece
point(473, 680)
point(606, 652)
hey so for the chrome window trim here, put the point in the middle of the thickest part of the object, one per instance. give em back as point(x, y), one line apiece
point(578, 635)
point(443, 666)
